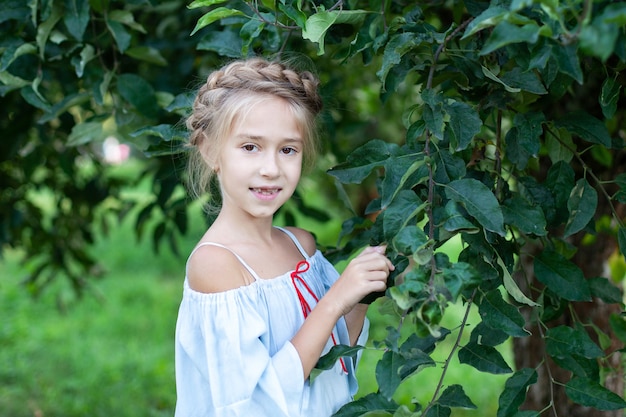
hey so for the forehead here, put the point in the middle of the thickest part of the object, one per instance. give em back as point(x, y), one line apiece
point(268, 116)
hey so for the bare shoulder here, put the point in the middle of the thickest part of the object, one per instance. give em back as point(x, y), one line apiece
point(213, 269)
point(305, 238)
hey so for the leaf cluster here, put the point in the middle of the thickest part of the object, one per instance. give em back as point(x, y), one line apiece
point(512, 134)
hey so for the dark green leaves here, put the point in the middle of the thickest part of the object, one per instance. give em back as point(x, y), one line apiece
point(563, 341)
point(484, 358)
point(363, 160)
point(76, 17)
point(587, 127)
point(139, 93)
point(561, 276)
point(498, 314)
point(582, 205)
point(591, 394)
point(514, 392)
point(479, 202)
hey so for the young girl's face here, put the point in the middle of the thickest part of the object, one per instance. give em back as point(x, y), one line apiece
point(260, 164)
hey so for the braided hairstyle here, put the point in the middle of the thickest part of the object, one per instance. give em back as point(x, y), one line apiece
point(227, 96)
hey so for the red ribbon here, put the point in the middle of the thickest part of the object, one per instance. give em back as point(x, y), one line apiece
point(301, 267)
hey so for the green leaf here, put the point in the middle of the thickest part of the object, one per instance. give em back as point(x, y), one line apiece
point(618, 325)
point(609, 96)
point(204, 3)
point(483, 358)
point(147, 54)
point(460, 276)
point(591, 394)
point(318, 24)
point(582, 205)
point(370, 402)
point(138, 92)
point(448, 167)
point(587, 127)
point(86, 132)
point(215, 15)
point(524, 80)
point(394, 367)
point(489, 74)
point(10, 54)
point(488, 336)
point(328, 360)
point(86, 55)
point(362, 161)
point(454, 396)
point(433, 113)
point(316, 27)
point(621, 238)
point(464, 122)
point(62, 106)
point(514, 392)
point(409, 240)
point(456, 221)
point(45, 28)
point(398, 171)
point(33, 99)
point(561, 276)
point(604, 289)
point(226, 43)
point(511, 286)
point(498, 314)
point(568, 61)
point(119, 33)
point(402, 209)
point(126, 18)
point(395, 49)
point(479, 202)
point(76, 17)
point(164, 131)
point(560, 147)
point(527, 218)
point(488, 18)
point(598, 38)
point(506, 33)
point(563, 341)
point(438, 410)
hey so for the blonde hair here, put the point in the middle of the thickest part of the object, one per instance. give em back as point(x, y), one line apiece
point(226, 97)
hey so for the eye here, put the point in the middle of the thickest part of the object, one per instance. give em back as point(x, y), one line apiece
point(288, 150)
point(249, 147)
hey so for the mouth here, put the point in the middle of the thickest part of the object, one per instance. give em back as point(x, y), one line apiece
point(265, 192)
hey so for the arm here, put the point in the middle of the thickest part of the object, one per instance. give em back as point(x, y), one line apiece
point(354, 320)
point(364, 274)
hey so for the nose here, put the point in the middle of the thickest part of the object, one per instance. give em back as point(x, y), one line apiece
point(269, 166)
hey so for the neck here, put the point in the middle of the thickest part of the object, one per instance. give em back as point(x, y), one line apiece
point(239, 230)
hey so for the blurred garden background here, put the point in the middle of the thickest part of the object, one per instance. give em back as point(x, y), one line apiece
point(483, 141)
point(111, 351)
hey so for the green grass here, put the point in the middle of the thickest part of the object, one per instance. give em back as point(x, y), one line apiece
point(109, 354)
point(112, 352)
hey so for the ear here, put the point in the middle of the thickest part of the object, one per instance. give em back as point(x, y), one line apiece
point(209, 157)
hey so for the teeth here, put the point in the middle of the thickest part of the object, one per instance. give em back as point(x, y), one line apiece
point(264, 191)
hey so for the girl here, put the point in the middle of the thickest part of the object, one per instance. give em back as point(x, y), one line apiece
point(260, 304)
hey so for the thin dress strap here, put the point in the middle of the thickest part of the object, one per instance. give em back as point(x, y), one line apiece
point(295, 241)
point(250, 270)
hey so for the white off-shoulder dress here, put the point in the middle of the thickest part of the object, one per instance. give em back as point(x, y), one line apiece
point(234, 355)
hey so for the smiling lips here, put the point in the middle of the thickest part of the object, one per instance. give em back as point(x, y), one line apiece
point(265, 193)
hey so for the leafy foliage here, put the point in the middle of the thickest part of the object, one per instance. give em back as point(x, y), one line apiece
point(512, 143)
point(502, 148)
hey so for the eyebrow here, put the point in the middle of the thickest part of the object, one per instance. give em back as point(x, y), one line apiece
point(258, 137)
